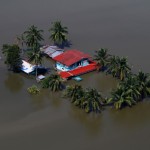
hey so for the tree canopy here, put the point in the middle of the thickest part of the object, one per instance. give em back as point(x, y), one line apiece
point(12, 55)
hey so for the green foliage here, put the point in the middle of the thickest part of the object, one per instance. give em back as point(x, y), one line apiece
point(101, 57)
point(54, 82)
point(144, 84)
point(35, 57)
point(119, 67)
point(12, 55)
point(120, 98)
point(45, 82)
point(33, 37)
point(88, 99)
point(114, 65)
point(92, 100)
point(58, 33)
point(74, 92)
point(33, 90)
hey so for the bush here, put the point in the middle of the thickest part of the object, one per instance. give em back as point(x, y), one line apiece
point(33, 90)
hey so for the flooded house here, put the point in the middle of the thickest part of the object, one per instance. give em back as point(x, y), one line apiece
point(73, 63)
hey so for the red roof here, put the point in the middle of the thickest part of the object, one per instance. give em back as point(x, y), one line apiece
point(79, 70)
point(70, 57)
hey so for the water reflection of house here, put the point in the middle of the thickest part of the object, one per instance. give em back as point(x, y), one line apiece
point(73, 63)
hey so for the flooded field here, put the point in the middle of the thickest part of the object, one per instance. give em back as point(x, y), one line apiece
point(48, 121)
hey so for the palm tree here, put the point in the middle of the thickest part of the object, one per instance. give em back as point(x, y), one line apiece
point(35, 57)
point(120, 98)
point(123, 68)
point(144, 83)
point(55, 82)
point(119, 67)
point(112, 65)
point(131, 86)
point(101, 57)
point(20, 40)
point(45, 82)
point(92, 100)
point(58, 33)
point(75, 92)
point(33, 37)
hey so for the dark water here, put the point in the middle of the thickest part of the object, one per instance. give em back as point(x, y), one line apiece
point(47, 121)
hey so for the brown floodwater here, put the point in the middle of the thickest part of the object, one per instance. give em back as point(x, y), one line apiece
point(49, 122)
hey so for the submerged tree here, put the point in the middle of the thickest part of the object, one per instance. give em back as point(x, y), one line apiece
point(88, 99)
point(74, 92)
point(144, 83)
point(58, 33)
point(33, 90)
point(13, 58)
point(101, 57)
point(54, 82)
point(36, 58)
point(33, 37)
point(121, 98)
point(93, 100)
point(131, 86)
point(119, 67)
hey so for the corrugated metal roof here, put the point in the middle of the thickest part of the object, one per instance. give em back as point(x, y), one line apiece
point(70, 57)
point(52, 51)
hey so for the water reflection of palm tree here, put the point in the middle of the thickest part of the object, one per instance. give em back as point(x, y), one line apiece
point(90, 122)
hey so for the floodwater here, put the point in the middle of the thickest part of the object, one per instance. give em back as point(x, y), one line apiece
point(49, 122)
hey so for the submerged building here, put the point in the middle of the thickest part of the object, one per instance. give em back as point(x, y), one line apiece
point(51, 51)
point(31, 69)
point(73, 63)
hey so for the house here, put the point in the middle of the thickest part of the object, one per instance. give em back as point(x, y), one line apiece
point(73, 63)
point(51, 51)
point(27, 67)
point(30, 69)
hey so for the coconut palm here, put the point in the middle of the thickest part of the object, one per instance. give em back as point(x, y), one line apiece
point(45, 82)
point(33, 37)
point(58, 33)
point(101, 57)
point(144, 83)
point(55, 82)
point(112, 65)
point(123, 68)
point(20, 40)
point(75, 92)
point(35, 57)
point(131, 86)
point(119, 67)
point(120, 98)
point(92, 100)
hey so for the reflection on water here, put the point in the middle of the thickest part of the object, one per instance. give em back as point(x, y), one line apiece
point(131, 118)
point(122, 27)
point(14, 82)
point(46, 98)
point(91, 122)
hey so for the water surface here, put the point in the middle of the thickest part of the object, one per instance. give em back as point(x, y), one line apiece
point(48, 121)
